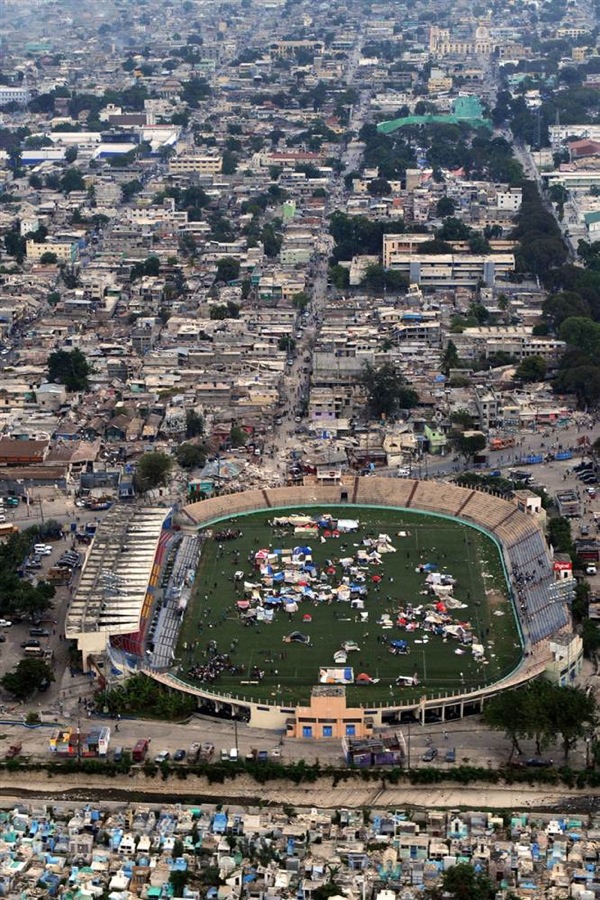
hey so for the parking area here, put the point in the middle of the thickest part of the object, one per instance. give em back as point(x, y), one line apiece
point(58, 562)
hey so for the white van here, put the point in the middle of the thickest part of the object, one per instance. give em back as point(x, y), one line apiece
point(234, 754)
point(43, 549)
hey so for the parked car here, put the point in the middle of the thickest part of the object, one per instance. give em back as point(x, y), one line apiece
point(430, 754)
point(535, 762)
point(30, 643)
point(43, 549)
point(163, 756)
point(450, 755)
point(179, 755)
point(38, 632)
point(4, 623)
point(591, 569)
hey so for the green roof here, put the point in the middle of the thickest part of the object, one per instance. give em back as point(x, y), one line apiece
point(466, 109)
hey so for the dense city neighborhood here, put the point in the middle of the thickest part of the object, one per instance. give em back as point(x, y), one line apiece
point(299, 388)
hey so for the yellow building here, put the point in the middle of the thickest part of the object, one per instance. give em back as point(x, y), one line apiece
point(328, 716)
point(203, 164)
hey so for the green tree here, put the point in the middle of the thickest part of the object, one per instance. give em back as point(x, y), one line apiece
point(237, 436)
point(450, 358)
point(581, 333)
point(559, 534)
point(130, 188)
point(507, 712)
point(301, 300)
point(230, 163)
point(571, 710)
point(72, 180)
point(178, 880)
point(533, 368)
point(453, 230)
point(339, 276)
point(590, 634)
point(14, 244)
point(467, 444)
point(28, 677)
point(563, 305)
point(194, 424)
point(190, 456)
point(69, 367)
point(286, 343)
point(194, 91)
point(445, 207)
point(464, 883)
point(48, 258)
point(70, 155)
point(152, 471)
point(463, 418)
point(386, 390)
point(228, 269)
point(379, 187)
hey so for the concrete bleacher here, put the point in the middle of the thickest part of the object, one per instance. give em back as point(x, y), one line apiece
point(169, 617)
point(433, 496)
point(329, 494)
point(515, 529)
point(225, 505)
point(486, 510)
point(532, 580)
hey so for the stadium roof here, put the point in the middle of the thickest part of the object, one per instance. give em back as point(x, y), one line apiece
point(116, 574)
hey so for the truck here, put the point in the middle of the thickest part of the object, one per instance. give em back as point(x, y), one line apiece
point(501, 443)
point(194, 750)
point(33, 652)
point(140, 750)
point(58, 575)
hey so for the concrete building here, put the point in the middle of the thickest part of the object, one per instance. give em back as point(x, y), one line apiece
point(448, 270)
point(202, 164)
point(328, 716)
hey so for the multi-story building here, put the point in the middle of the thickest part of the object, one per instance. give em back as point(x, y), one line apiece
point(200, 163)
point(446, 270)
point(18, 95)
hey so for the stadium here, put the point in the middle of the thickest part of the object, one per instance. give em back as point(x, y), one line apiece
point(142, 583)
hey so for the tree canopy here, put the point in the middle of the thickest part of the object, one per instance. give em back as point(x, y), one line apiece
point(464, 883)
point(152, 471)
point(542, 711)
point(28, 677)
point(228, 269)
point(69, 367)
point(467, 444)
point(533, 368)
point(386, 390)
point(194, 423)
point(190, 456)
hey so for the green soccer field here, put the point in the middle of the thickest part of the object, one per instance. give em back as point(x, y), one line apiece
point(291, 669)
